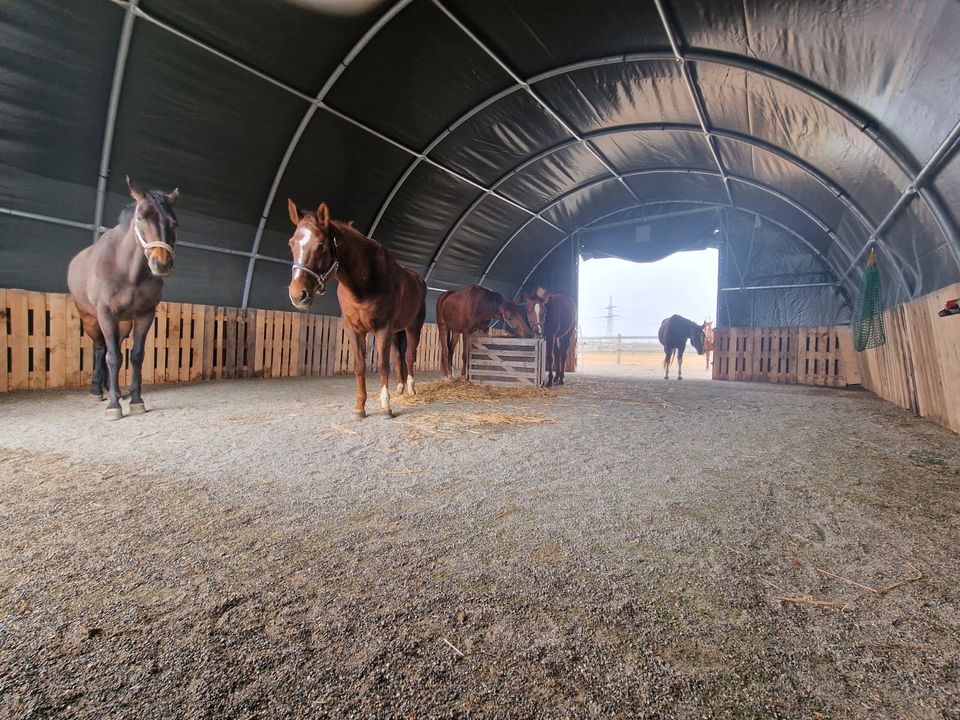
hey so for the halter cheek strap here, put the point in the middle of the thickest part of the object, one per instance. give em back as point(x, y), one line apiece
point(147, 246)
point(321, 278)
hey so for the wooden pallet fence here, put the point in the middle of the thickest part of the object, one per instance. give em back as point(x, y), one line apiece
point(506, 361)
point(42, 345)
point(792, 355)
point(919, 367)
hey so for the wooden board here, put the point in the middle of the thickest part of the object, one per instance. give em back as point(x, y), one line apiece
point(919, 367)
point(506, 361)
point(42, 336)
point(4, 316)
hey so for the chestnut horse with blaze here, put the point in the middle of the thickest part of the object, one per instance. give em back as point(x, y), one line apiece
point(468, 310)
point(116, 284)
point(376, 296)
point(552, 317)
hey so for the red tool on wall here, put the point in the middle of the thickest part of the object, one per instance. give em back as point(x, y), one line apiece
point(951, 308)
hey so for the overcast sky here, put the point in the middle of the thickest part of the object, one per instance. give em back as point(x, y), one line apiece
point(645, 293)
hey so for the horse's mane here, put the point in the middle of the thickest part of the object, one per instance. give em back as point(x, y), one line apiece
point(347, 231)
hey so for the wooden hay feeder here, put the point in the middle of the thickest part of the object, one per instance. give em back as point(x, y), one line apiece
point(509, 362)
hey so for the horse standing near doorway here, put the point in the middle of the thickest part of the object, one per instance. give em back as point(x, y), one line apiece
point(674, 333)
point(376, 296)
point(552, 317)
point(116, 284)
point(707, 340)
point(460, 312)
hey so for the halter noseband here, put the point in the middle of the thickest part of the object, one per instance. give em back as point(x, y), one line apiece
point(147, 246)
point(322, 278)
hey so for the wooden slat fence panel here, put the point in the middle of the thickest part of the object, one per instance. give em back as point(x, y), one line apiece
point(506, 361)
point(42, 344)
point(793, 355)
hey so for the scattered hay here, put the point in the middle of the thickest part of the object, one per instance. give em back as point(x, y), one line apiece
point(448, 425)
point(810, 600)
point(460, 390)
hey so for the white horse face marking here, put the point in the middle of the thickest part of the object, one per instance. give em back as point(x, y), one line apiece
point(536, 309)
point(303, 238)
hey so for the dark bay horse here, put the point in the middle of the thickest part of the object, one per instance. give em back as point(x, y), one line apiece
point(460, 312)
point(376, 295)
point(674, 333)
point(554, 318)
point(116, 284)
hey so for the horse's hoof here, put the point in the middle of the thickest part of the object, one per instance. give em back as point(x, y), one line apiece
point(97, 396)
point(399, 388)
point(359, 414)
point(137, 408)
point(387, 414)
point(559, 382)
point(679, 378)
point(113, 414)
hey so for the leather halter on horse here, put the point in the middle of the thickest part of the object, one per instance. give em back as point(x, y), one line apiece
point(321, 278)
point(147, 246)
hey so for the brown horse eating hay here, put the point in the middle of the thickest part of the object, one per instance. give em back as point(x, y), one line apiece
point(554, 318)
point(376, 296)
point(116, 284)
point(464, 311)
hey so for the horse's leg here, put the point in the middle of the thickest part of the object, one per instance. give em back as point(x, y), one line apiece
point(110, 328)
point(413, 343)
point(465, 339)
point(549, 360)
point(707, 353)
point(562, 360)
point(141, 327)
point(358, 341)
point(680, 364)
point(92, 329)
point(666, 363)
point(446, 351)
point(396, 357)
point(384, 341)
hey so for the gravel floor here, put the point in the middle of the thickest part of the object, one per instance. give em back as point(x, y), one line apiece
point(246, 550)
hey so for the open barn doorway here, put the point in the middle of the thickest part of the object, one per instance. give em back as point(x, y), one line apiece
point(622, 304)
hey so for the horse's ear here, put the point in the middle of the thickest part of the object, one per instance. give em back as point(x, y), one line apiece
point(293, 212)
point(323, 214)
point(136, 192)
point(173, 195)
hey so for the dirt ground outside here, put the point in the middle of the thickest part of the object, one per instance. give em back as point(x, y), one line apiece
point(623, 547)
point(644, 364)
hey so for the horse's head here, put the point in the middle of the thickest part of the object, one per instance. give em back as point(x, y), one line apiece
point(537, 310)
point(697, 337)
point(314, 250)
point(513, 319)
point(155, 226)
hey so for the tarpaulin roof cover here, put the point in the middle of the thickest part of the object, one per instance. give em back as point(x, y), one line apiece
point(472, 138)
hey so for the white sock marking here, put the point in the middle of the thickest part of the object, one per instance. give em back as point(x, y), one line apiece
point(385, 397)
point(411, 390)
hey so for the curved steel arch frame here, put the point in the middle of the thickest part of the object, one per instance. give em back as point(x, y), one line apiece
point(890, 148)
point(898, 267)
point(670, 171)
point(717, 205)
point(822, 179)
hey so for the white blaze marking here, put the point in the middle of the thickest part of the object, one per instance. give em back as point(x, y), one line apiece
point(305, 237)
point(536, 309)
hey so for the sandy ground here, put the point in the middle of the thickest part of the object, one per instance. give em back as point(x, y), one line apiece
point(246, 550)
